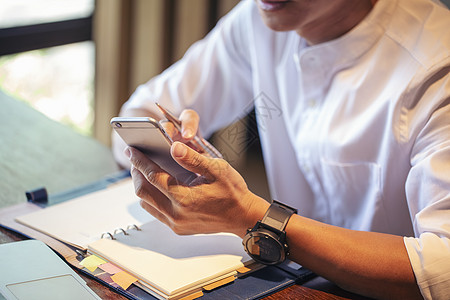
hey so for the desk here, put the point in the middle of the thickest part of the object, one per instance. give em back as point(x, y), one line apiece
point(36, 151)
point(316, 289)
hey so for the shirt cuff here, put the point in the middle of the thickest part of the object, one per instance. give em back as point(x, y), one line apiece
point(430, 259)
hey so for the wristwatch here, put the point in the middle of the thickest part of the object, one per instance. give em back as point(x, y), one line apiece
point(266, 241)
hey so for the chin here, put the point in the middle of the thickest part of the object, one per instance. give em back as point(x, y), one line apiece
point(285, 19)
point(276, 24)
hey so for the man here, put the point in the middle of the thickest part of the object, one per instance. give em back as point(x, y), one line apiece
point(352, 101)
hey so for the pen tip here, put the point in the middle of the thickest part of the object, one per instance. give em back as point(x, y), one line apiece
point(160, 107)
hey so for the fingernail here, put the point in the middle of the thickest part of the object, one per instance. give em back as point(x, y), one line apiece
point(187, 134)
point(179, 150)
point(127, 152)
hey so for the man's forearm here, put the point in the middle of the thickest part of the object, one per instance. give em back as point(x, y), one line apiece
point(367, 263)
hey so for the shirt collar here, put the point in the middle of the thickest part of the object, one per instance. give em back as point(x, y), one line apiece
point(346, 49)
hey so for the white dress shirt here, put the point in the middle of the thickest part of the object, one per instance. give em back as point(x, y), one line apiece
point(355, 132)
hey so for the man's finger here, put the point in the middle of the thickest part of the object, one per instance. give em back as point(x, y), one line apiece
point(154, 212)
point(195, 162)
point(170, 129)
point(149, 193)
point(151, 171)
point(189, 123)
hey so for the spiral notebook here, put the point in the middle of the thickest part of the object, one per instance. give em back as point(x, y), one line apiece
point(111, 224)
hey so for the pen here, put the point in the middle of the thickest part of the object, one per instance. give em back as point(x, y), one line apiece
point(197, 141)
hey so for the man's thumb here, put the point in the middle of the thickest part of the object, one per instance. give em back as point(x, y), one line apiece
point(190, 159)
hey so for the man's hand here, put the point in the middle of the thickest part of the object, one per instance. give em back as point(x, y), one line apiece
point(189, 126)
point(187, 132)
point(218, 200)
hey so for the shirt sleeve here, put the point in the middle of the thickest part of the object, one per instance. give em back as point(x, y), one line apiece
point(430, 257)
point(428, 187)
point(214, 77)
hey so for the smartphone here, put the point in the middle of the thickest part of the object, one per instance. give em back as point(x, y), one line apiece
point(148, 136)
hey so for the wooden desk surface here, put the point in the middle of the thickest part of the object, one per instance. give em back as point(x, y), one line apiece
point(38, 152)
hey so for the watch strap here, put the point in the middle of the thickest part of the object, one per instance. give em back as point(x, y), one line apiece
point(278, 215)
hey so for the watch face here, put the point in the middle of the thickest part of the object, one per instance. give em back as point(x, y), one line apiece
point(264, 248)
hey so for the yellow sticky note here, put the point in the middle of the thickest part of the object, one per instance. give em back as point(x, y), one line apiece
point(123, 279)
point(92, 262)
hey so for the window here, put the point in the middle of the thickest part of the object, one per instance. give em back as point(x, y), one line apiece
point(48, 57)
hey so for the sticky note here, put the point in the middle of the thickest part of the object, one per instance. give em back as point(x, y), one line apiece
point(92, 262)
point(123, 279)
point(110, 268)
point(106, 278)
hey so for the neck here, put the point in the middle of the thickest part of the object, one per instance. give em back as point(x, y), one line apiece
point(338, 18)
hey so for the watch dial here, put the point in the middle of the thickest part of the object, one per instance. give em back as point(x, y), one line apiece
point(265, 249)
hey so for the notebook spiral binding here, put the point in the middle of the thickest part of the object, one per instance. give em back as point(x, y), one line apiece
point(120, 230)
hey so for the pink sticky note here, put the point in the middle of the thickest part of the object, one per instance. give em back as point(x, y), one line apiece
point(123, 279)
point(110, 268)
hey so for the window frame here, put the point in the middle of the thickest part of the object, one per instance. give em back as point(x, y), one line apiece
point(44, 35)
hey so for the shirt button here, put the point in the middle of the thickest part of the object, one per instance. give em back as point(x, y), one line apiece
point(305, 168)
point(312, 103)
point(309, 61)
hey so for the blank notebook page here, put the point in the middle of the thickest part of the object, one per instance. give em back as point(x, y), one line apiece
point(82, 220)
point(173, 263)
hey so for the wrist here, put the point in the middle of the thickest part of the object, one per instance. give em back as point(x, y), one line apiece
point(256, 209)
point(266, 241)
